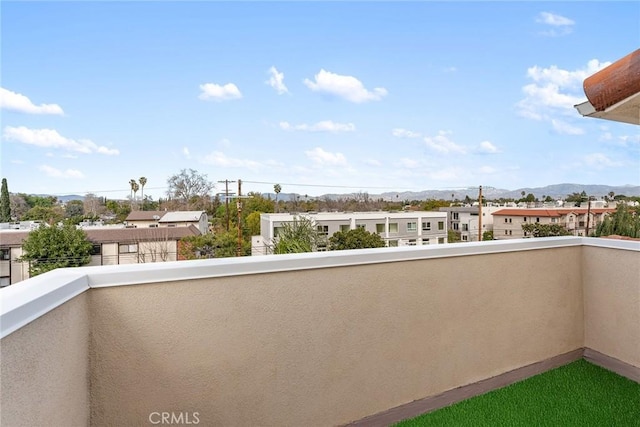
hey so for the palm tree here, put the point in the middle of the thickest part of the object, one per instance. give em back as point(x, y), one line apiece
point(135, 187)
point(143, 182)
point(277, 188)
point(132, 183)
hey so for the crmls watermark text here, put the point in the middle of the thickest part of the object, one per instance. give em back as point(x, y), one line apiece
point(174, 418)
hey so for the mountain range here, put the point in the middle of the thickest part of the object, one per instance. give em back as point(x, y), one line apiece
point(556, 191)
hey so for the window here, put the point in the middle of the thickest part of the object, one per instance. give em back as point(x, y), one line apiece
point(510, 232)
point(344, 228)
point(5, 281)
point(525, 219)
point(506, 232)
point(440, 225)
point(171, 225)
point(456, 225)
point(465, 238)
point(440, 240)
point(323, 229)
point(363, 226)
point(537, 219)
point(5, 254)
point(425, 241)
point(277, 231)
point(380, 228)
point(554, 219)
point(393, 243)
point(509, 220)
point(128, 249)
point(456, 216)
point(426, 226)
point(506, 220)
point(412, 226)
point(393, 227)
point(153, 225)
point(465, 227)
point(411, 242)
point(96, 249)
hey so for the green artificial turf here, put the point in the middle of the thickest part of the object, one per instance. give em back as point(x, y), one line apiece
point(577, 394)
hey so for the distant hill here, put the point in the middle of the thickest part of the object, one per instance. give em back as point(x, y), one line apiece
point(556, 191)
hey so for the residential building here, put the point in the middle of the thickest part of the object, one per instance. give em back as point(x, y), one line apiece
point(402, 228)
point(464, 220)
point(507, 223)
point(111, 246)
point(154, 219)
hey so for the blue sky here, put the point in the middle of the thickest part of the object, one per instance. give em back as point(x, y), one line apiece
point(321, 97)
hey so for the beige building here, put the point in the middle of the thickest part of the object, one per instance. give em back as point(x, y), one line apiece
point(507, 223)
point(156, 219)
point(111, 246)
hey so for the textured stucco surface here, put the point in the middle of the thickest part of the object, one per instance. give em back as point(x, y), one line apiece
point(612, 303)
point(327, 346)
point(44, 369)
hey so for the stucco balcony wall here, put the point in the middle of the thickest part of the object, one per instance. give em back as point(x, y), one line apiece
point(313, 339)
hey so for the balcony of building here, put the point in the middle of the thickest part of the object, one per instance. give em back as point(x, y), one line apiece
point(321, 339)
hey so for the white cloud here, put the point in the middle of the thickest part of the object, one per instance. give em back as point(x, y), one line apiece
point(186, 153)
point(219, 92)
point(560, 25)
point(564, 128)
point(404, 133)
point(218, 158)
point(488, 148)
point(323, 126)
point(600, 161)
point(322, 158)
point(57, 173)
point(442, 144)
point(372, 162)
point(276, 81)
point(347, 87)
point(17, 102)
point(408, 163)
point(50, 138)
point(554, 90)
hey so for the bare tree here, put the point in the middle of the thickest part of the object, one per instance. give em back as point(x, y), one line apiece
point(189, 187)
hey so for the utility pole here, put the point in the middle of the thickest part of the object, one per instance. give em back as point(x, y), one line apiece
point(480, 214)
point(586, 233)
point(226, 197)
point(239, 208)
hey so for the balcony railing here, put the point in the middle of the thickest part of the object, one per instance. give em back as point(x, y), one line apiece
point(311, 339)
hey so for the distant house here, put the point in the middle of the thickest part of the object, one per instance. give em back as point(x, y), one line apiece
point(154, 219)
point(507, 223)
point(111, 246)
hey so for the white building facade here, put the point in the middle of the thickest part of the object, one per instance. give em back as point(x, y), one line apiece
point(406, 228)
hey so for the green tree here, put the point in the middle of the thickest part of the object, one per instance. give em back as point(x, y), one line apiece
point(453, 236)
point(5, 202)
point(50, 215)
point(51, 247)
point(537, 229)
point(300, 235)
point(277, 189)
point(252, 223)
point(358, 238)
point(625, 221)
point(74, 210)
point(487, 235)
point(219, 245)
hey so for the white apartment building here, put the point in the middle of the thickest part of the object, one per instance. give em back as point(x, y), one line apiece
point(465, 220)
point(402, 228)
